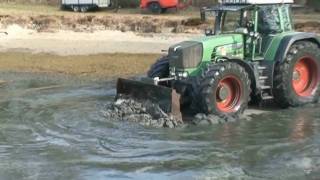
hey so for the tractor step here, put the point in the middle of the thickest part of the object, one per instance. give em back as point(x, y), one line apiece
point(267, 97)
point(265, 83)
point(265, 87)
point(263, 77)
point(262, 68)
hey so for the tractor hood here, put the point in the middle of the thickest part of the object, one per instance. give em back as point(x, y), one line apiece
point(190, 55)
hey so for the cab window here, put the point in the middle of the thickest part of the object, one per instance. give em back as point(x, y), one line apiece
point(233, 20)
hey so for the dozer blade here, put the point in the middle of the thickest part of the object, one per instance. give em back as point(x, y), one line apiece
point(168, 99)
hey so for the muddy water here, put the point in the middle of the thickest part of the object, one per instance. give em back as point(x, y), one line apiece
point(54, 128)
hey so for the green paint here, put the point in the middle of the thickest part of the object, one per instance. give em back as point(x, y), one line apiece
point(274, 45)
point(256, 16)
point(210, 43)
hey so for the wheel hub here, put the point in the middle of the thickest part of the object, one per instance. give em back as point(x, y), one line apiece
point(223, 93)
point(229, 94)
point(305, 77)
point(296, 75)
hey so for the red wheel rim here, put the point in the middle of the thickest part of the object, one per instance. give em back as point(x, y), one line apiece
point(228, 94)
point(305, 77)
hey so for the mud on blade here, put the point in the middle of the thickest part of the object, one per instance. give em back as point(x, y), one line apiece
point(166, 98)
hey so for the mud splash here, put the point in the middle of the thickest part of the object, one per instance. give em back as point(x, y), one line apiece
point(145, 113)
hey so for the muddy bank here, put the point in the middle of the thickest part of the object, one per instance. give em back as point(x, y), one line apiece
point(90, 23)
point(310, 26)
point(94, 66)
point(124, 23)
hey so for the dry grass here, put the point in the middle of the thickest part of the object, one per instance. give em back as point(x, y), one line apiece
point(12, 8)
point(101, 65)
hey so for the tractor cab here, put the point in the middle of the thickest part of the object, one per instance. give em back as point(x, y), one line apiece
point(257, 21)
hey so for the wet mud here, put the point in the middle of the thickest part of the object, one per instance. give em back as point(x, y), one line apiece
point(150, 114)
point(145, 113)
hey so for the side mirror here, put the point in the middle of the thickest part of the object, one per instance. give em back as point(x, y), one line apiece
point(242, 31)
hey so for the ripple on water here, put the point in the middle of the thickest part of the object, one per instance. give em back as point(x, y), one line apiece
point(61, 133)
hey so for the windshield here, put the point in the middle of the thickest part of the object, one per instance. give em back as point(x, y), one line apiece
point(233, 20)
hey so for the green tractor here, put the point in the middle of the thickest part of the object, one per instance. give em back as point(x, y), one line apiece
point(251, 54)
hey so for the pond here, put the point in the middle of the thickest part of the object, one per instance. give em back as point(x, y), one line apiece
point(52, 127)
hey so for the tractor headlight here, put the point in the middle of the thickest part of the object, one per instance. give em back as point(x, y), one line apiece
point(184, 74)
point(172, 73)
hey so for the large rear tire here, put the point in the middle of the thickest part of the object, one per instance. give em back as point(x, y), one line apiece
point(225, 89)
point(297, 78)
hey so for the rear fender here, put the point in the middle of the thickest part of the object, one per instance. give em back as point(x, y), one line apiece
point(289, 40)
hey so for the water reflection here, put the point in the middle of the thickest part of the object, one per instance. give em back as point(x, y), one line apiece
point(302, 126)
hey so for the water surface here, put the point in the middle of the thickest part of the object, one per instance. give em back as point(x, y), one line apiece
point(52, 127)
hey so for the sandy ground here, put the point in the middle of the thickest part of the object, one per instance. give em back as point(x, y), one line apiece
point(83, 43)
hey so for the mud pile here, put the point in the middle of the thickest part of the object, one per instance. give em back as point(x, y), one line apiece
point(145, 113)
point(149, 114)
point(203, 119)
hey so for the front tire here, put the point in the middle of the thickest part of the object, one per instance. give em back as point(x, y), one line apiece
point(76, 8)
point(160, 69)
point(84, 9)
point(225, 89)
point(297, 78)
point(164, 10)
point(155, 7)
